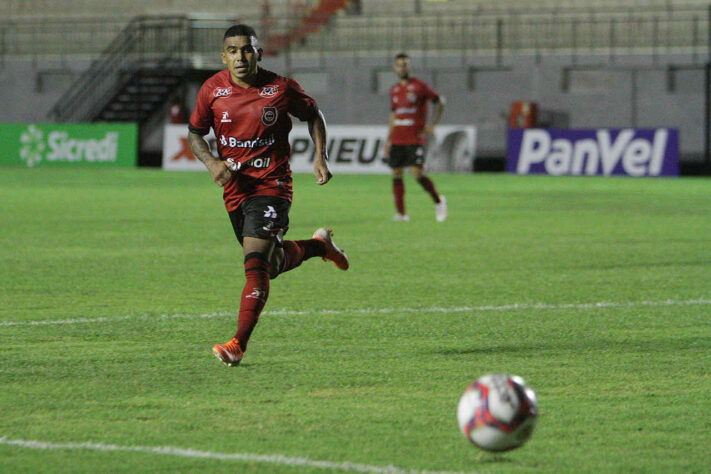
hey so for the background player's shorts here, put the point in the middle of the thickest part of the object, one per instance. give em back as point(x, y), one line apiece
point(263, 217)
point(406, 155)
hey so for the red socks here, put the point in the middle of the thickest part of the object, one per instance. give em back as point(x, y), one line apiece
point(254, 295)
point(399, 193)
point(428, 185)
point(296, 251)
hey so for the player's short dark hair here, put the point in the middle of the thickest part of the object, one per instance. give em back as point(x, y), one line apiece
point(240, 30)
point(402, 56)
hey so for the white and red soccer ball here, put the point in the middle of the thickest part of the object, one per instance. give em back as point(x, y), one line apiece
point(498, 412)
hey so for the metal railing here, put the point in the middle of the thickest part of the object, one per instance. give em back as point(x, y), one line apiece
point(144, 42)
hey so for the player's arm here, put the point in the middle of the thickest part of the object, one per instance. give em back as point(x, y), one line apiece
point(220, 174)
point(317, 130)
point(391, 127)
point(439, 102)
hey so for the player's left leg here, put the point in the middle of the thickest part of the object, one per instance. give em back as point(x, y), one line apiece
point(257, 253)
point(427, 184)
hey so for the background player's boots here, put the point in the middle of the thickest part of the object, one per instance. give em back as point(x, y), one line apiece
point(229, 353)
point(333, 253)
point(401, 217)
point(441, 209)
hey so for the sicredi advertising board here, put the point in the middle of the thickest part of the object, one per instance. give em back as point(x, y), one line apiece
point(606, 152)
point(351, 149)
point(40, 144)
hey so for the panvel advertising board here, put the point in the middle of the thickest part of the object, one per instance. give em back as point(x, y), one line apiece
point(601, 152)
point(43, 144)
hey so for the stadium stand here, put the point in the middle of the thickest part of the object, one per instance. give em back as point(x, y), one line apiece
point(559, 52)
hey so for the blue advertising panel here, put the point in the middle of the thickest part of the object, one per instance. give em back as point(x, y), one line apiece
point(601, 152)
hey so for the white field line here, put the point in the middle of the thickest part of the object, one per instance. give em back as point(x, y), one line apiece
point(192, 453)
point(433, 309)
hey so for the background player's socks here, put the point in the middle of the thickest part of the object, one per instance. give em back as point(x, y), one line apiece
point(399, 194)
point(254, 295)
point(296, 251)
point(429, 186)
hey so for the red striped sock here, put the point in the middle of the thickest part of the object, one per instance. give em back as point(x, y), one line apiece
point(296, 251)
point(399, 193)
point(429, 186)
point(254, 296)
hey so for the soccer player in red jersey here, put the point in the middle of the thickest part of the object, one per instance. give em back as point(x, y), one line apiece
point(405, 146)
point(248, 107)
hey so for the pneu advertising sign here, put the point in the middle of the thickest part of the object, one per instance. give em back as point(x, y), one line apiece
point(360, 149)
point(40, 144)
point(602, 152)
point(351, 149)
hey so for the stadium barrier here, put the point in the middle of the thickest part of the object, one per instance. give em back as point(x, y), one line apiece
point(40, 144)
point(351, 149)
point(601, 152)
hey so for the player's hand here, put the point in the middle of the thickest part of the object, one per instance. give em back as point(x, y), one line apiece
point(321, 171)
point(387, 148)
point(427, 131)
point(221, 175)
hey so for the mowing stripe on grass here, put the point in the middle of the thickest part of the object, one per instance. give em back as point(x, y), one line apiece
point(192, 453)
point(434, 309)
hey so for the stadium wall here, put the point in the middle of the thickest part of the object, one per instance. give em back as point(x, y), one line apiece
point(592, 91)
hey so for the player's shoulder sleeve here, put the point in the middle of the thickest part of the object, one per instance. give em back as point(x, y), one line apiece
point(392, 97)
point(300, 104)
point(202, 116)
point(428, 92)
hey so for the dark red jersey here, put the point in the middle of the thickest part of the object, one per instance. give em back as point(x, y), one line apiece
point(252, 127)
point(409, 102)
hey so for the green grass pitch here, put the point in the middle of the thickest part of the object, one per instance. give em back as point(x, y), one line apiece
point(115, 284)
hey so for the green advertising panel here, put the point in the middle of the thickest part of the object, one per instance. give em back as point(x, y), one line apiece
point(44, 144)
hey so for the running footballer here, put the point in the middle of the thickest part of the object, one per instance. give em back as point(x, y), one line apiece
point(248, 108)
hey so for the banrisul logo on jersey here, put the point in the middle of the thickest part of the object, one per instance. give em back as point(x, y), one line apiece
point(62, 144)
point(625, 152)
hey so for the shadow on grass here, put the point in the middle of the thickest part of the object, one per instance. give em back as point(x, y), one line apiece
point(655, 346)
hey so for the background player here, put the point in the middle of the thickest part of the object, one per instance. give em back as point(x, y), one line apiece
point(249, 107)
point(406, 138)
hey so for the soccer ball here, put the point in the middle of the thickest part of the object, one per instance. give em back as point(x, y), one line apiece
point(498, 412)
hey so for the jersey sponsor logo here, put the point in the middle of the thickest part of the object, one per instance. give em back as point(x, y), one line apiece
point(269, 115)
point(233, 142)
point(223, 92)
point(225, 117)
point(412, 97)
point(269, 91)
point(259, 162)
point(406, 110)
point(408, 122)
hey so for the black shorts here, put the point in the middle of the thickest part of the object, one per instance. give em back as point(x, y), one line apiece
point(406, 155)
point(263, 217)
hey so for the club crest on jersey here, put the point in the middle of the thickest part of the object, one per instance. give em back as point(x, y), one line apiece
point(225, 117)
point(269, 115)
point(268, 91)
point(223, 92)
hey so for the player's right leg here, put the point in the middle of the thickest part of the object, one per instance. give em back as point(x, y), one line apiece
point(429, 187)
point(256, 223)
point(399, 193)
